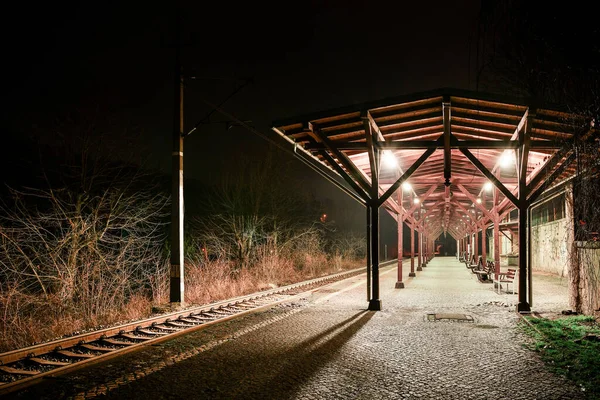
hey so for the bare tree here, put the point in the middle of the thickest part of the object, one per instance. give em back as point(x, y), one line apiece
point(253, 208)
point(81, 245)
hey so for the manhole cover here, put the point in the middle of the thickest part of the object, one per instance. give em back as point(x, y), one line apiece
point(449, 317)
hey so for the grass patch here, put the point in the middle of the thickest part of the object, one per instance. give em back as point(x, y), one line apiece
point(570, 347)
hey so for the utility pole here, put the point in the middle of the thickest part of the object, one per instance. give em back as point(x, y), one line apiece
point(176, 292)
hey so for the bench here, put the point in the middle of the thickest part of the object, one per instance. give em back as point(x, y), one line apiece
point(507, 277)
point(475, 264)
point(485, 273)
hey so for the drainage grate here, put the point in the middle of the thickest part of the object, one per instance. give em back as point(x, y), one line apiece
point(450, 317)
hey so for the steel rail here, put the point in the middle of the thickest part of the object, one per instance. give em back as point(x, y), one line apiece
point(92, 347)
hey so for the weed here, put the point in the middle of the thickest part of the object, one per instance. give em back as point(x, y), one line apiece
point(569, 346)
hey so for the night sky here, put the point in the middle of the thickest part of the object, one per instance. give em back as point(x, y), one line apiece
point(115, 62)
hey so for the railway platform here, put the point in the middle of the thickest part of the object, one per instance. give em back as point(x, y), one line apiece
point(444, 336)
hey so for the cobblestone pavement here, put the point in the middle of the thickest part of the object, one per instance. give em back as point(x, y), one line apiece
point(327, 346)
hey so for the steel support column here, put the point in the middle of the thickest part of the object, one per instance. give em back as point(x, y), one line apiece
point(523, 305)
point(368, 252)
point(497, 246)
point(399, 283)
point(375, 302)
point(476, 248)
point(484, 244)
point(419, 251)
point(412, 251)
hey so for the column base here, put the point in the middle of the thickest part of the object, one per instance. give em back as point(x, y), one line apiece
point(419, 269)
point(523, 308)
point(412, 274)
point(399, 285)
point(374, 305)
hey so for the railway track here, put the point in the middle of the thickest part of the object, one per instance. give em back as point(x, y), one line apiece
point(27, 366)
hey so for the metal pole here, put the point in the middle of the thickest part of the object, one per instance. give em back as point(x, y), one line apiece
point(176, 292)
point(399, 283)
point(419, 251)
point(368, 252)
point(523, 306)
point(529, 272)
point(375, 302)
point(412, 251)
point(476, 252)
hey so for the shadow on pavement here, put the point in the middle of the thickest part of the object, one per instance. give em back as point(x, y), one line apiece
point(305, 360)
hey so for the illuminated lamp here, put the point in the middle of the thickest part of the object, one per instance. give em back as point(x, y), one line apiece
point(507, 159)
point(389, 159)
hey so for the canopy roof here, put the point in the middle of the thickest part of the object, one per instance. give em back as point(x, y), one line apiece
point(447, 144)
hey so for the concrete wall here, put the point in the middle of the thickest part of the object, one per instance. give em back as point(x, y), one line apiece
point(588, 260)
point(550, 245)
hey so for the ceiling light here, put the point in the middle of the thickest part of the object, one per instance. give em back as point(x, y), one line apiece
point(488, 186)
point(389, 159)
point(478, 200)
point(416, 200)
point(507, 158)
point(406, 186)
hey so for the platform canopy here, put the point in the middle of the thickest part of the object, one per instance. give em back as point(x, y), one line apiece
point(450, 148)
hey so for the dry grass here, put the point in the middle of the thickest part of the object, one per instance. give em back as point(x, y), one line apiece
point(28, 319)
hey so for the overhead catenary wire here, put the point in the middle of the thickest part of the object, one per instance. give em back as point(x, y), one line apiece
point(293, 152)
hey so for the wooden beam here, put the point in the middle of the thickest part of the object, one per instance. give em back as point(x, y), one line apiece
point(474, 200)
point(342, 172)
point(446, 107)
point(371, 152)
point(557, 172)
point(490, 176)
point(537, 176)
point(319, 168)
point(406, 174)
point(315, 133)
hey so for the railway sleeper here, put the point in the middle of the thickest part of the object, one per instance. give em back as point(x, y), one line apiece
point(48, 362)
point(134, 337)
point(10, 370)
point(72, 354)
point(180, 325)
point(167, 328)
point(117, 342)
point(152, 333)
point(190, 321)
point(91, 347)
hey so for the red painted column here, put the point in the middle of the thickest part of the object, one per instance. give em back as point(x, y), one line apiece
point(420, 251)
point(412, 251)
point(399, 283)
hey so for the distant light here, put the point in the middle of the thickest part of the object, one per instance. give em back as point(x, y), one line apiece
point(488, 186)
point(389, 159)
point(507, 158)
point(478, 200)
point(416, 200)
point(406, 186)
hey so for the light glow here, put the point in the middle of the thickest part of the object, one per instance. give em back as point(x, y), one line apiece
point(478, 200)
point(507, 159)
point(416, 200)
point(389, 159)
point(406, 186)
point(488, 186)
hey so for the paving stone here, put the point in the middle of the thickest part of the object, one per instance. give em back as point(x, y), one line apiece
point(329, 347)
